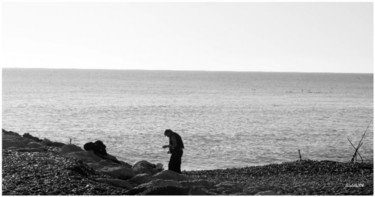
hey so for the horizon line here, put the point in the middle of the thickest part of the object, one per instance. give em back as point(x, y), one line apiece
point(166, 70)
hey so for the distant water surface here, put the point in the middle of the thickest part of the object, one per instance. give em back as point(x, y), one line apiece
point(226, 119)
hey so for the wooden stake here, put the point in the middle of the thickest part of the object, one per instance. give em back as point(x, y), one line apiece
point(359, 144)
point(356, 152)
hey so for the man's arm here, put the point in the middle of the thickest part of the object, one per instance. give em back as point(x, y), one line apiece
point(173, 143)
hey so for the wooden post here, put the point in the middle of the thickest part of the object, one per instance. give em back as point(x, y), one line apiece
point(359, 145)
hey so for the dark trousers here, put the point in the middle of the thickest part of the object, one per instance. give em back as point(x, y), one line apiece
point(175, 161)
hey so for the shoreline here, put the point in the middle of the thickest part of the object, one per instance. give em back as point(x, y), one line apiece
point(42, 159)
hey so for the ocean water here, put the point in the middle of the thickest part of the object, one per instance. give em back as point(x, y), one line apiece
point(226, 119)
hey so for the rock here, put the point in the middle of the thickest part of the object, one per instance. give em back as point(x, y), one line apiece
point(170, 175)
point(115, 182)
point(85, 156)
point(197, 183)
point(34, 145)
point(159, 167)
point(120, 172)
point(105, 162)
point(80, 169)
point(266, 193)
point(141, 178)
point(70, 148)
point(29, 136)
point(14, 140)
point(228, 188)
point(143, 166)
point(168, 190)
point(153, 184)
point(135, 191)
point(47, 142)
point(96, 165)
point(98, 147)
point(10, 133)
point(109, 157)
point(159, 183)
point(125, 164)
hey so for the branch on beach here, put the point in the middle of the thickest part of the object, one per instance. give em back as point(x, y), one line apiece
point(356, 151)
point(354, 158)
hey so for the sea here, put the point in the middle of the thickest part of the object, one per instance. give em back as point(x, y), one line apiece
point(226, 119)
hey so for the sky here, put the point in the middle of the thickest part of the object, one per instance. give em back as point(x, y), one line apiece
point(224, 36)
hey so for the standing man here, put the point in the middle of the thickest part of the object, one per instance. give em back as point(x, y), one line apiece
point(175, 148)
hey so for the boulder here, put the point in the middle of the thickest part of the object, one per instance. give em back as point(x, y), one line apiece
point(96, 165)
point(70, 148)
point(170, 175)
point(85, 156)
point(98, 147)
point(29, 136)
point(34, 145)
point(14, 140)
point(47, 142)
point(140, 189)
point(159, 167)
point(120, 172)
point(125, 164)
point(168, 190)
point(267, 193)
point(105, 162)
point(109, 157)
point(197, 183)
point(141, 178)
point(143, 166)
point(115, 182)
point(159, 183)
point(10, 133)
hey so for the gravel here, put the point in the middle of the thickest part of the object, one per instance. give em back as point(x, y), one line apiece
point(48, 173)
point(298, 178)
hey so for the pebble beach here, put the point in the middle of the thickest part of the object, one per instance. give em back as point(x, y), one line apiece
point(32, 166)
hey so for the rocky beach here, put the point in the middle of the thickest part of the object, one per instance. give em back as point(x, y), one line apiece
point(33, 166)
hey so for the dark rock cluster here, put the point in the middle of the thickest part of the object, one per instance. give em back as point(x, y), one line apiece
point(32, 166)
